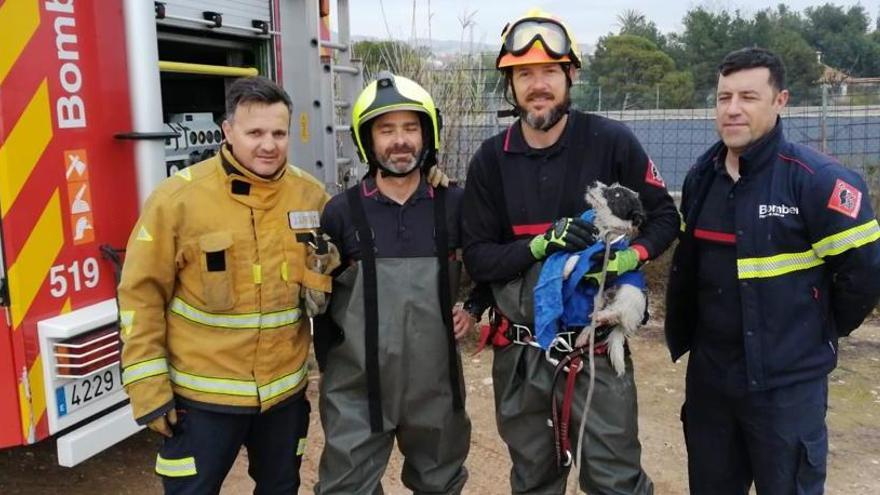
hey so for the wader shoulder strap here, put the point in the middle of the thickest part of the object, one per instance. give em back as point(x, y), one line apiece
point(371, 304)
point(441, 243)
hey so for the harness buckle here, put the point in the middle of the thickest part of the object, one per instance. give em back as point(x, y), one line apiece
point(560, 346)
point(522, 334)
point(564, 342)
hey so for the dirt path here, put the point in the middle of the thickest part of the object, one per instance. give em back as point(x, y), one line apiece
point(853, 416)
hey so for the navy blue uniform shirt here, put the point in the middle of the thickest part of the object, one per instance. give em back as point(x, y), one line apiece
point(400, 231)
point(718, 349)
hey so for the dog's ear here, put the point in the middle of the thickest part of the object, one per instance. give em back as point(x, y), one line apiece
point(637, 217)
point(624, 204)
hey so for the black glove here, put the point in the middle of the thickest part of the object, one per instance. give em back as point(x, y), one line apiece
point(566, 234)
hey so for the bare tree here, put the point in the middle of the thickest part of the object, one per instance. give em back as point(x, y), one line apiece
point(631, 20)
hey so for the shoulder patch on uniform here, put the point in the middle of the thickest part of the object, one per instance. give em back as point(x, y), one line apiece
point(185, 174)
point(846, 199)
point(652, 175)
point(144, 235)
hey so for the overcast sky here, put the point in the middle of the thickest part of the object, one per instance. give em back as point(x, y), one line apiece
point(589, 19)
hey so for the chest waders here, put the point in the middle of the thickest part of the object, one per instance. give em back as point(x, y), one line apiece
point(371, 299)
point(510, 300)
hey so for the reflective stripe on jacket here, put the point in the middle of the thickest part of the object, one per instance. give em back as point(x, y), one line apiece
point(808, 259)
point(210, 297)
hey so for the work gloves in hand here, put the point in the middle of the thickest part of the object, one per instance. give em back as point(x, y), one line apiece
point(566, 234)
point(321, 257)
point(436, 177)
point(164, 423)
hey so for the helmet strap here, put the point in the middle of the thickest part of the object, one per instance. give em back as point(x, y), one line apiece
point(566, 69)
point(510, 96)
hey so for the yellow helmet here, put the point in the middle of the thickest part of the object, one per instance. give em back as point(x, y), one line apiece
point(537, 37)
point(390, 93)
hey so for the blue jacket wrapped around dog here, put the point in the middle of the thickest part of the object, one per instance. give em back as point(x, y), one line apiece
point(559, 303)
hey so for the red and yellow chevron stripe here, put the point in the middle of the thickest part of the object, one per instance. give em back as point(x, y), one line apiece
point(20, 152)
point(63, 94)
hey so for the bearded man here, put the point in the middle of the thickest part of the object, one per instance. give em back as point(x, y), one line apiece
point(387, 348)
point(523, 199)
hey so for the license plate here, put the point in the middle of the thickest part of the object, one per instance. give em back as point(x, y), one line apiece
point(84, 391)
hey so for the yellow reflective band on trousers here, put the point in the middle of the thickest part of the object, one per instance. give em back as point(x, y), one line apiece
point(244, 321)
point(848, 239)
point(241, 388)
point(774, 266)
point(144, 369)
point(176, 468)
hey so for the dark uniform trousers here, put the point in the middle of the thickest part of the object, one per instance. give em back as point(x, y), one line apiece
point(776, 438)
point(275, 441)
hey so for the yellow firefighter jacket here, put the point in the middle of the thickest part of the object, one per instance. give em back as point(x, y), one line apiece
point(210, 297)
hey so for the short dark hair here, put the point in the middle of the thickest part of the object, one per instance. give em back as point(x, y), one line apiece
point(257, 89)
point(751, 58)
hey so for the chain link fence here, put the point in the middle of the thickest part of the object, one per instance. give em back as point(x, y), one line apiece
point(845, 126)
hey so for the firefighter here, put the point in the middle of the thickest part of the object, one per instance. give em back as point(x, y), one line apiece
point(524, 193)
point(387, 345)
point(219, 273)
point(779, 258)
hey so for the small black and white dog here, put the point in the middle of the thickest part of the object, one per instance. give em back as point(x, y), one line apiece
point(619, 214)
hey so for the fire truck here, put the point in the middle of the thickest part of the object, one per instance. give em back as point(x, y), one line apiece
point(99, 102)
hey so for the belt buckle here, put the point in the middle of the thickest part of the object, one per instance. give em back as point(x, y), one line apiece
point(519, 331)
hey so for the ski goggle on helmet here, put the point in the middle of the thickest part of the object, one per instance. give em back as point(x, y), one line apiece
point(537, 37)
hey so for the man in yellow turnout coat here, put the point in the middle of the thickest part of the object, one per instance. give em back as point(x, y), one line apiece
point(219, 271)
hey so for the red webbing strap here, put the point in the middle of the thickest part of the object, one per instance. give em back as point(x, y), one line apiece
point(565, 441)
point(561, 419)
point(494, 333)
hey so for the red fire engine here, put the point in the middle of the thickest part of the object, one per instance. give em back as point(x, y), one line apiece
point(100, 101)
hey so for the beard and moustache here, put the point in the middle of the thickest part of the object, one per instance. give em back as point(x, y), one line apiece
point(546, 121)
point(398, 166)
